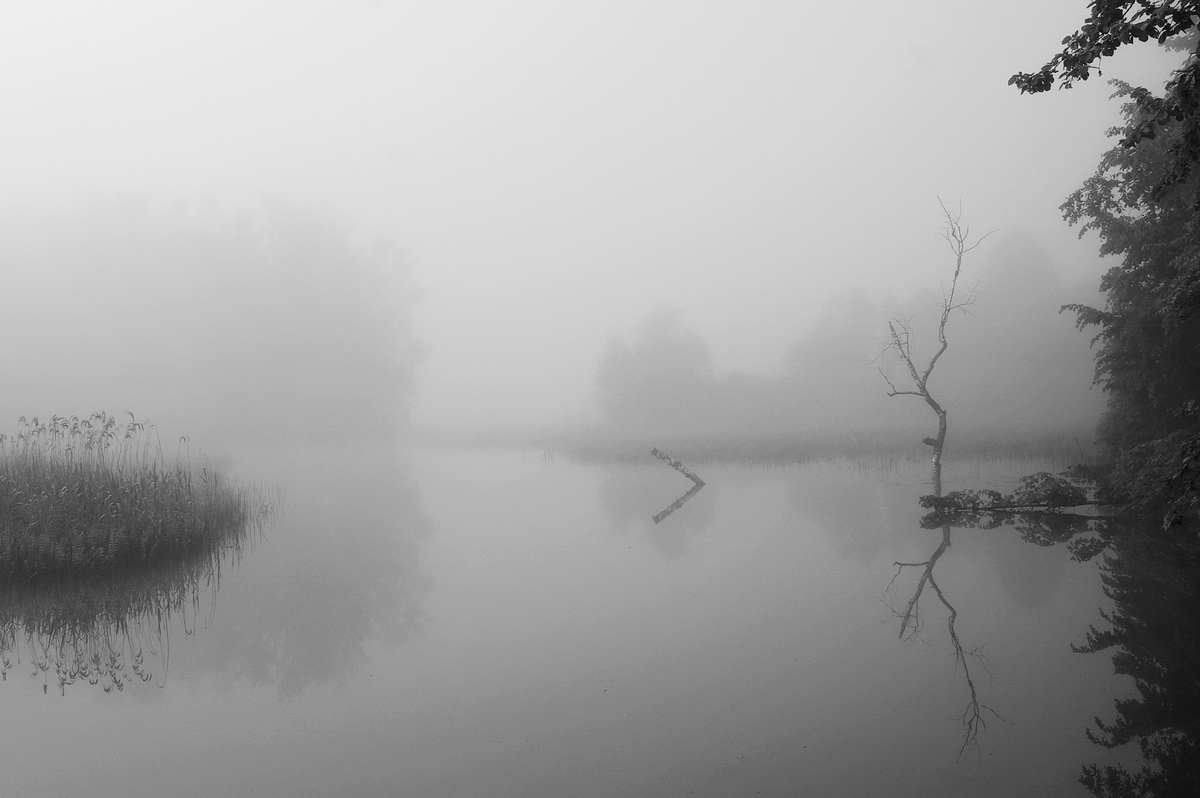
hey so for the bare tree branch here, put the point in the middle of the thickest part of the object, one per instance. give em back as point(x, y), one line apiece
point(958, 237)
point(972, 717)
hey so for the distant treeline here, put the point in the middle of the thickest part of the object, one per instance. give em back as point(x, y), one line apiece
point(263, 326)
point(1017, 377)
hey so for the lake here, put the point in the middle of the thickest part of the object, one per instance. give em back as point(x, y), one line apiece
point(438, 622)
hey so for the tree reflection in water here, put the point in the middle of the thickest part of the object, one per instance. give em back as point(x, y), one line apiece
point(974, 716)
point(109, 628)
point(1154, 634)
point(1042, 509)
point(1153, 577)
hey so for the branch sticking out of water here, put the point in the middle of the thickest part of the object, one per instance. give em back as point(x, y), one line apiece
point(678, 466)
point(682, 469)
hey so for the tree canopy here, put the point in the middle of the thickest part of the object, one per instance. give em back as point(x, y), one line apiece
point(1149, 332)
point(1142, 201)
point(1112, 24)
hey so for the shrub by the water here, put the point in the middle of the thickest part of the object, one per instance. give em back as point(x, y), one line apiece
point(79, 495)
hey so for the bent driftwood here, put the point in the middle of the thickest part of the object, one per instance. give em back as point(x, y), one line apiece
point(682, 469)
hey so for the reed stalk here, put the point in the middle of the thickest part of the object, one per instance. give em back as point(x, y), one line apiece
point(82, 495)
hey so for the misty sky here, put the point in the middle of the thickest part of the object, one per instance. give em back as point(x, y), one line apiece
point(556, 170)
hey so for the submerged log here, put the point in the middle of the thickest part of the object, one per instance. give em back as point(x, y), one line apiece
point(682, 469)
point(678, 466)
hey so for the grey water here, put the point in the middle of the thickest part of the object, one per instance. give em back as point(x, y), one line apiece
point(439, 622)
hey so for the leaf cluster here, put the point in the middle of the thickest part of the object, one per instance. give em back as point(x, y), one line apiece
point(1112, 24)
point(1036, 508)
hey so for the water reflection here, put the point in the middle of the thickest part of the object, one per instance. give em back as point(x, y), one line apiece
point(860, 518)
point(339, 571)
point(632, 497)
point(110, 628)
point(975, 715)
point(1154, 637)
point(1153, 632)
point(336, 572)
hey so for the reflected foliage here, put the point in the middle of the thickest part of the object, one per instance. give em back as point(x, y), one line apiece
point(109, 628)
point(1153, 632)
point(1154, 635)
point(1045, 509)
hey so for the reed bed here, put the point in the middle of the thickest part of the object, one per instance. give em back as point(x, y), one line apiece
point(81, 495)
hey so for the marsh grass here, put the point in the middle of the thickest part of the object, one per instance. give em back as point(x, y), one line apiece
point(86, 495)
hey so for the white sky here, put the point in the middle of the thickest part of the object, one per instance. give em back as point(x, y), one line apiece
point(554, 170)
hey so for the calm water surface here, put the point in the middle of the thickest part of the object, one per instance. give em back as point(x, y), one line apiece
point(448, 623)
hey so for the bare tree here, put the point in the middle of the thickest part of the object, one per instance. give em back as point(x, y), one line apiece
point(957, 235)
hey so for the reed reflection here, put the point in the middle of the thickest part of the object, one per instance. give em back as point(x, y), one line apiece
point(111, 628)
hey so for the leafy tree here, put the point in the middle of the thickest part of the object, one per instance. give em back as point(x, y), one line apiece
point(1112, 24)
point(1149, 333)
point(1143, 202)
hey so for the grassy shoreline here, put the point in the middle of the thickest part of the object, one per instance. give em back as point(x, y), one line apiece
point(601, 444)
point(81, 495)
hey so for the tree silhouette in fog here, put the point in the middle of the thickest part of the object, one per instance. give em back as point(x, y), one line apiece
point(268, 325)
point(659, 380)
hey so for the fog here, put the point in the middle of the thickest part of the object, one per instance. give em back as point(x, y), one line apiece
point(539, 180)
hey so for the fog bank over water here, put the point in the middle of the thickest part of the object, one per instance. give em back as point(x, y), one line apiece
point(553, 173)
point(1015, 367)
point(260, 328)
